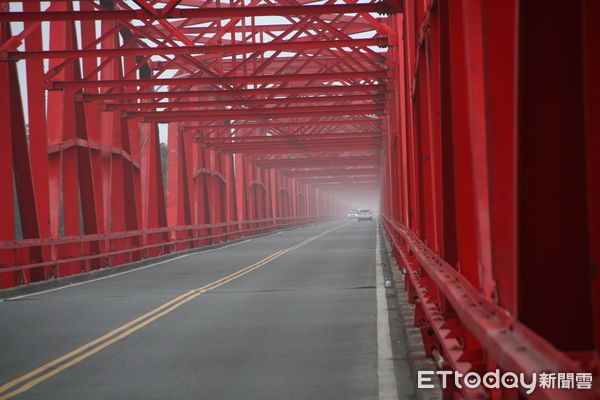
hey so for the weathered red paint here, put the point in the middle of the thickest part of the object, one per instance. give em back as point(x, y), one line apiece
point(476, 120)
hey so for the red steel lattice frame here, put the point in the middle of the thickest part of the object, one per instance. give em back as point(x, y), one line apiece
point(491, 198)
point(476, 120)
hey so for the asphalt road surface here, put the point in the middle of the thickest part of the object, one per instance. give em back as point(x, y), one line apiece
point(292, 315)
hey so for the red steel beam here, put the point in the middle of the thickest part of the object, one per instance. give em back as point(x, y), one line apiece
point(287, 138)
point(195, 13)
point(341, 179)
point(269, 144)
point(262, 111)
point(246, 102)
point(248, 114)
point(380, 88)
point(330, 171)
point(265, 125)
point(220, 80)
point(173, 50)
point(349, 183)
point(343, 190)
point(157, 117)
point(355, 27)
point(299, 149)
point(312, 162)
point(296, 60)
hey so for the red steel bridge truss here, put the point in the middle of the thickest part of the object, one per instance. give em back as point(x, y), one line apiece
point(474, 119)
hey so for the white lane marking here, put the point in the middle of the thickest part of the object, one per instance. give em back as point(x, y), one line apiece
point(124, 272)
point(388, 389)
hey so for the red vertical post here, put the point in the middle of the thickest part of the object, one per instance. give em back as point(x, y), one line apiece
point(294, 197)
point(231, 192)
point(409, 33)
point(423, 136)
point(500, 24)
point(153, 202)
point(272, 177)
point(7, 210)
point(478, 139)
point(38, 141)
point(448, 184)
point(554, 264)
point(153, 191)
point(178, 190)
point(93, 123)
point(591, 82)
point(464, 200)
point(241, 190)
point(62, 126)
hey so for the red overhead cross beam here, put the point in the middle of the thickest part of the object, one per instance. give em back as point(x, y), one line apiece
point(195, 13)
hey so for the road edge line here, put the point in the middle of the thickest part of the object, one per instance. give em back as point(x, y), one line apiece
point(386, 370)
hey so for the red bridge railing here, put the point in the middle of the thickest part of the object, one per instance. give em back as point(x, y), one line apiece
point(30, 260)
point(469, 331)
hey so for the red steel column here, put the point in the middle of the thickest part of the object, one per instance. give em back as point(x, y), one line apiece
point(7, 206)
point(553, 242)
point(591, 80)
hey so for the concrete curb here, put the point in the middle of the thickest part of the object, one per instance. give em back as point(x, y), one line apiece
point(419, 361)
point(107, 271)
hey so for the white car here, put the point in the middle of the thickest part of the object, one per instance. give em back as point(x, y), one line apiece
point(365, 215)
point(353, 214)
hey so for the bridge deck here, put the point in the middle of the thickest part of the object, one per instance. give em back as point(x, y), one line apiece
point(300, 324)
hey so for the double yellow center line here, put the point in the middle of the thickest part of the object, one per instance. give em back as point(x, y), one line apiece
point(54, 367)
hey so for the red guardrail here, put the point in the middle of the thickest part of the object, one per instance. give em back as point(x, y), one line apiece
point(30, 260)
point(472, 333)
